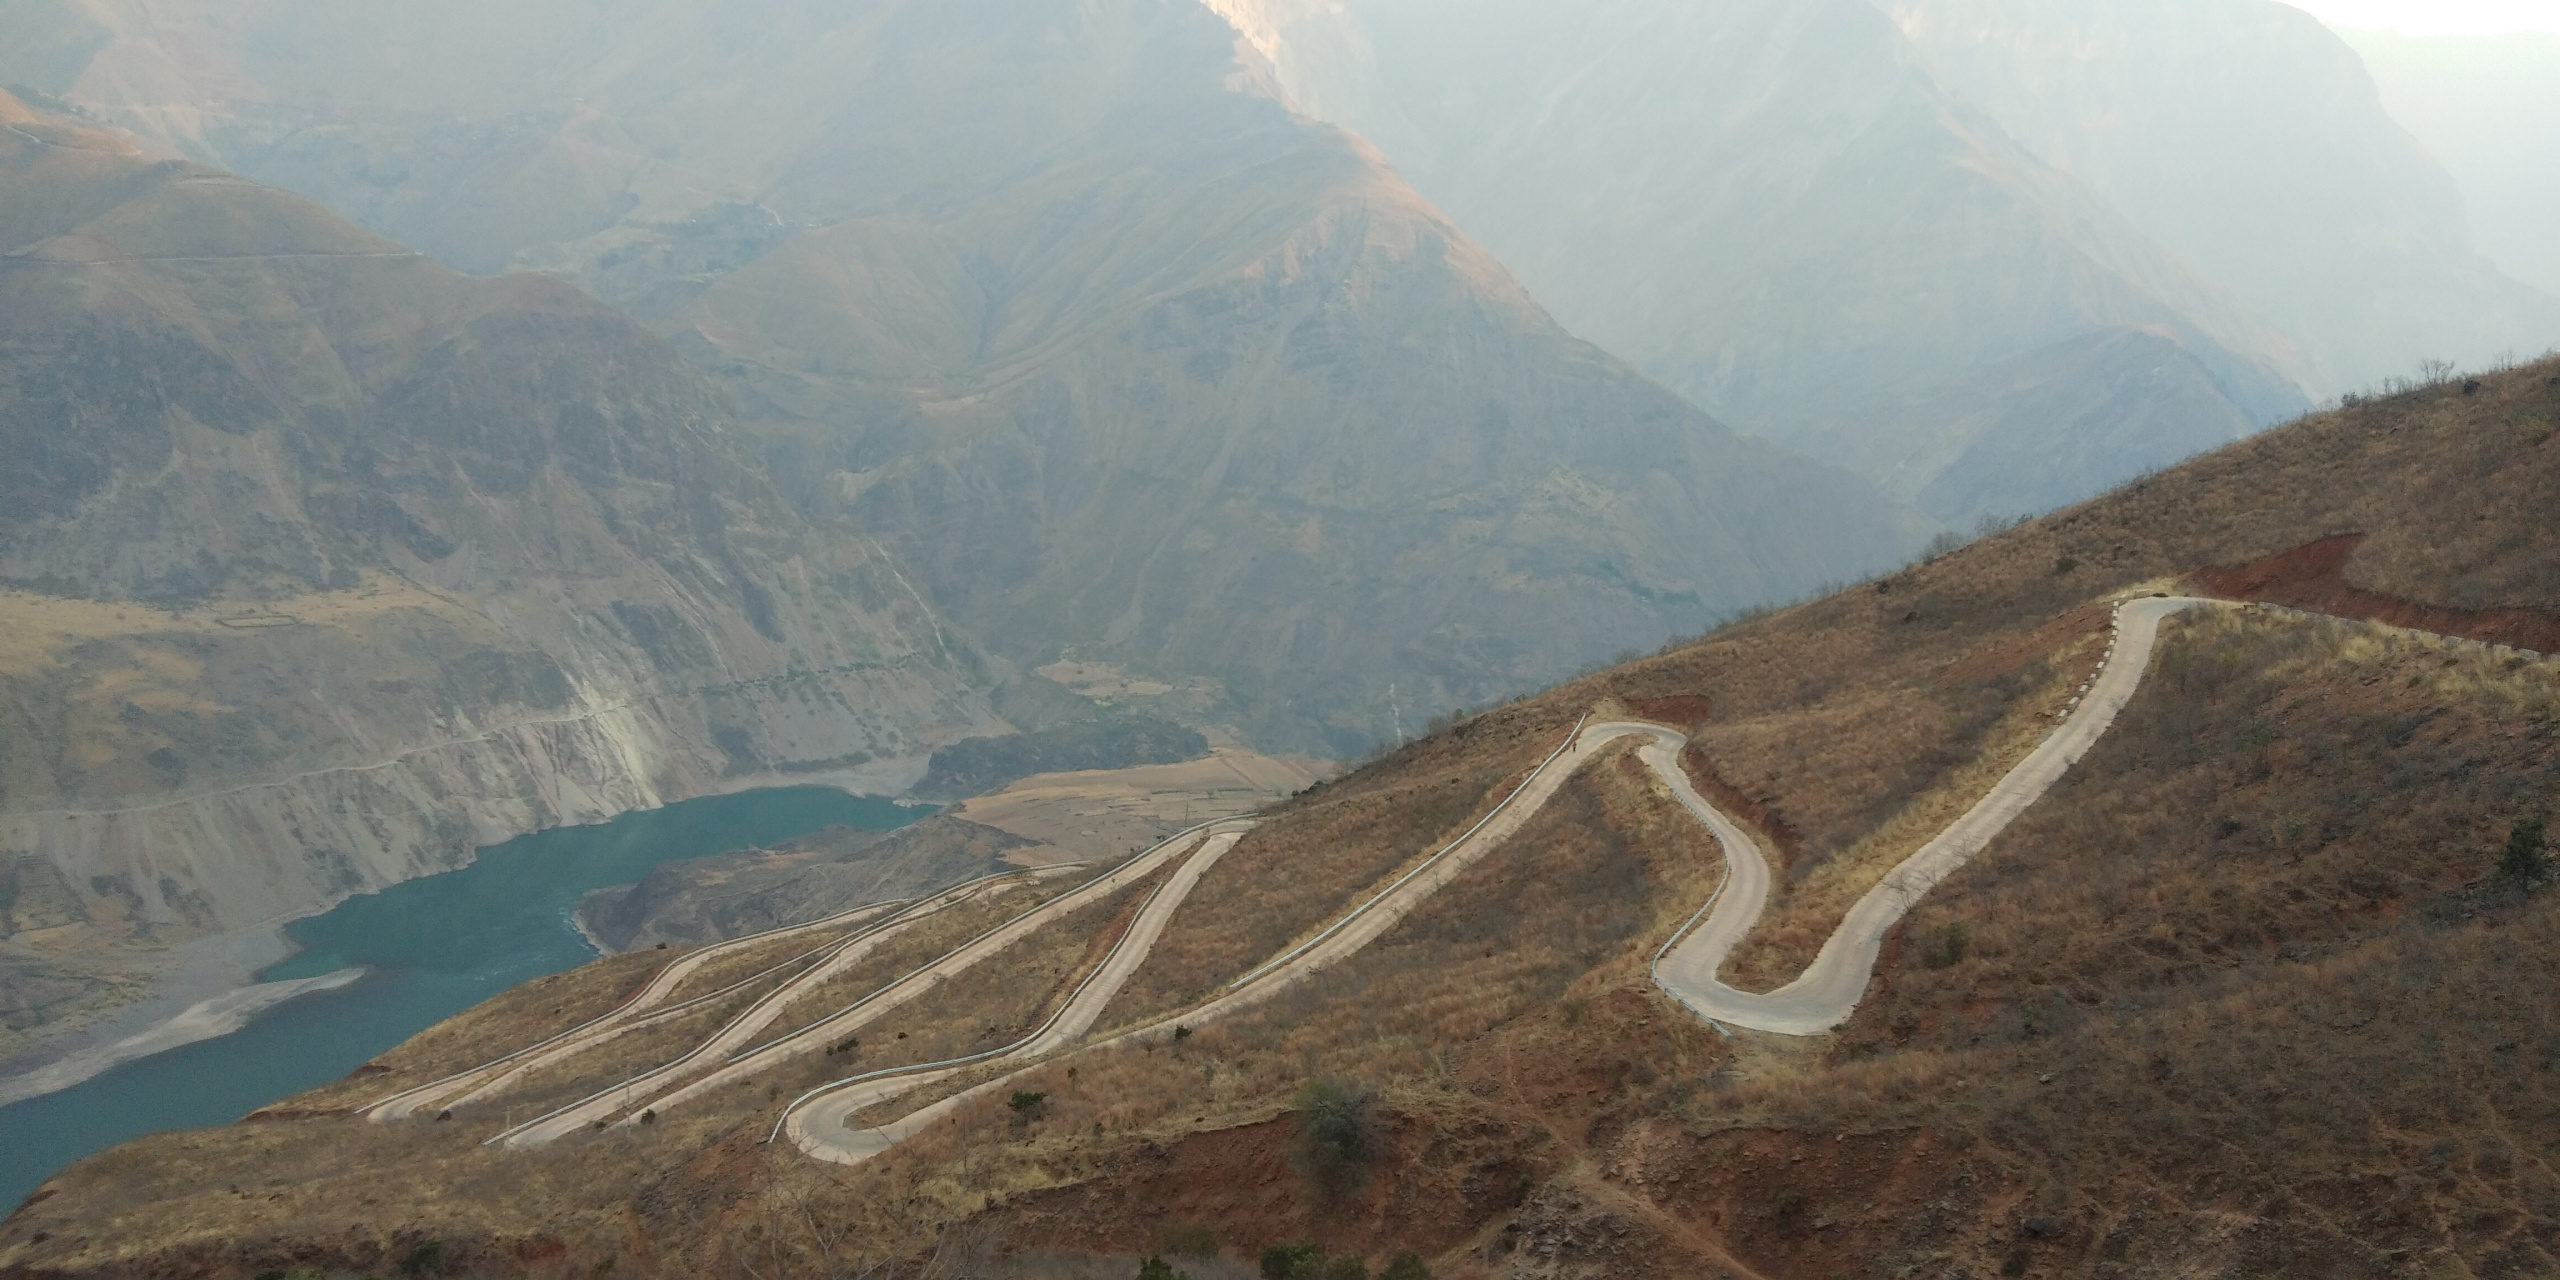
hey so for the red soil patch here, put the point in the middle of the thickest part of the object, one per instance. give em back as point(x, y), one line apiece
point(2313, 576)
point(1682, 710)
point(1790, 1204)
point(1761, 812)
point(1431, 1191)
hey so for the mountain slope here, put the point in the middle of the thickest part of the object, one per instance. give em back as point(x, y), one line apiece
point(2243, 995)
point(2478, 103)
point(325, 563)
point(1772, 207)
point(2251, 140)
point(1333, 457)
point(1056, 302)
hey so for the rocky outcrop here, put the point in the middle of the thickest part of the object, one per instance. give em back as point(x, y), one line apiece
point(1063, 307)
point(1780, 210)
point(325, 564)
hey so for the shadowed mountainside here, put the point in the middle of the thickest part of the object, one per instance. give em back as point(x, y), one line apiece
point(2250, 139)
point(1062, 307)
point(325, 563)
point(1778, 210)
point(2244, 995)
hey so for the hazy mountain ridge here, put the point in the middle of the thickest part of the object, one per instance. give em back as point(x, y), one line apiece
point(2482, 105)
point(331, 563)
point(2245, 993)
point(2251, 140)
point(1063, 309)
point(1775, 208)
point(1324, 448)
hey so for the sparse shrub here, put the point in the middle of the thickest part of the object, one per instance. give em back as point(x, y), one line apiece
point(1156, 1268)
point(2064, 565)
point(1407, 1265)
point(1187, 1240)
point(1946, 945)
point(1028, 1106)
point(649, 1116)
point(1350, 1266)
point(1336, 1137)
point(1292, 1260)
point(425, 1260)
point(1787, 1208)
point(2524, 861)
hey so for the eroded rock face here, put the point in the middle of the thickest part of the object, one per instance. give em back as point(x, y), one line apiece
point(328, 563)
point(1061, 305)
point(704, 900)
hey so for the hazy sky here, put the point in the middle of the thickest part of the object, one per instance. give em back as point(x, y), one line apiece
point(2438, 17)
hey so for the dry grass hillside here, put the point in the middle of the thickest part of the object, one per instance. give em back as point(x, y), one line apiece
point(323, 563)
point(2246, 995)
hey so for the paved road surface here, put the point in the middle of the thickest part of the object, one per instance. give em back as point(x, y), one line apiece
point(1832, 985)
point(710, 1066)
point(816, 1122)
point(489, 1077)
point(1813, 1004)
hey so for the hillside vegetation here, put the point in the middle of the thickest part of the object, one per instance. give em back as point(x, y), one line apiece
point(1057, 302)
point(324, 563)
point(2247, 994)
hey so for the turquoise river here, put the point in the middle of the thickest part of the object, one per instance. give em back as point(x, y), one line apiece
point(431, 948)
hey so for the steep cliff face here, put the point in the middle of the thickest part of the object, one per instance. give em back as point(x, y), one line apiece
point(1257, 412)
point(1776, 208)
point(2251, 140)
point(1059, 304)
point(326, 563)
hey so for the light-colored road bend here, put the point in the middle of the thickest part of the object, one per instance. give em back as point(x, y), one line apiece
point(1823, 996)
point(630, 1015)
point(710, 1065)
point(824, 1110)
point(826, 954)
point(1829, 989)
point(815, 1123)
point(751, 1021)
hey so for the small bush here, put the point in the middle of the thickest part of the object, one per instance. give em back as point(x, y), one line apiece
point(1946, 945)
point(1028, 1106)
point(2063, 566)
point(425, 1260)
point(1336, 1137)
point(1350, 1266)
point(1187, 1240)
point(2525, 861)
point(1405, 1266)
point(1293, 1260)
point(1787, 1208)
point(1156, 1268)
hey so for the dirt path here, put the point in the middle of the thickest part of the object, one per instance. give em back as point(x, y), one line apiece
point(489, 1077)
point(1831, 986)
point(709, 1065)
point(1811, 1005)
point(816, 1121)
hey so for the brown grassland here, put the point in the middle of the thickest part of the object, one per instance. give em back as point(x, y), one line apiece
point(2243, 996)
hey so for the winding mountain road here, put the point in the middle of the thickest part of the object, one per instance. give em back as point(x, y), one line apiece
point(1822, 997)
point(712, 1064)
point(1686, 969)
point(1811, 1005)
point(488, 1077)
point(817, 1116)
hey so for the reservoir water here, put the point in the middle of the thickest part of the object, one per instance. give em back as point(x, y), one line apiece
point(431, 948)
